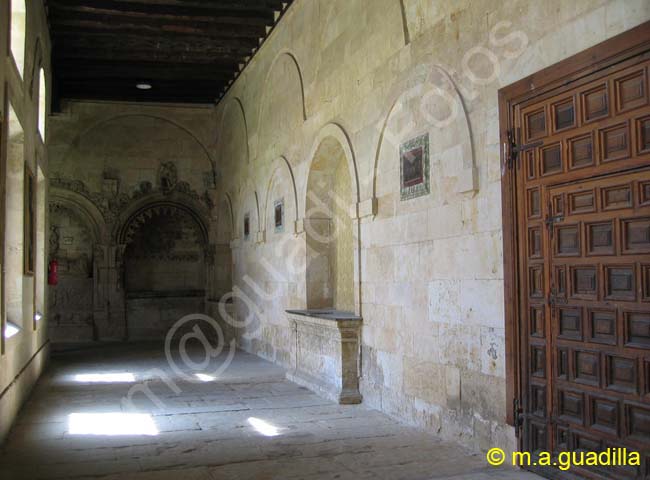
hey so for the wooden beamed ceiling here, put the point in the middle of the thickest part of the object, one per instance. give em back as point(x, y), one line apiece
point(189, 51)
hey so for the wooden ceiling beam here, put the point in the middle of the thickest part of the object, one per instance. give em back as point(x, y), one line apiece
point(148, 34)
point(135, 25)
point(251, 8)
point(83, 35)
point(139, 98)
point(165, 93)
point(237, 5)
point(211, 89)
point(256, 17)
point(148, 56)
point(96, 69)
point(189, 50)
point(169, 46)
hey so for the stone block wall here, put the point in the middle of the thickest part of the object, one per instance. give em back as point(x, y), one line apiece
point(139, 180)
point(369, 76)
point(24, 355)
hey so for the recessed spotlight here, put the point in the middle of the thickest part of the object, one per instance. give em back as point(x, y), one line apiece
point(143, 86)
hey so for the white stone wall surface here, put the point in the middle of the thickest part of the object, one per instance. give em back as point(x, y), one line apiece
point(372, 74)
point(23, 356)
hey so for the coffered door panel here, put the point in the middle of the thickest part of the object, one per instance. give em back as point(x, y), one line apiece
point(583, 209)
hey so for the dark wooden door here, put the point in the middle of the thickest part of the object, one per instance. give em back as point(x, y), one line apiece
point(583, 203)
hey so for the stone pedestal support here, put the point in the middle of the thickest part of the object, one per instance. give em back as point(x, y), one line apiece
point(325, 353)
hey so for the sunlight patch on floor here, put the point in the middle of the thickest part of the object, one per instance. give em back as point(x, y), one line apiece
point(111, 424)
point(264, 427)
point(123, 377)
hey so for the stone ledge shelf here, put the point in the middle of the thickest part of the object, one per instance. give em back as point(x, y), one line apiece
point(325, 353)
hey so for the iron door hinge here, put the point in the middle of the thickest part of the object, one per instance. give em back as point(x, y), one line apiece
point(512, 151)
point(515, 148)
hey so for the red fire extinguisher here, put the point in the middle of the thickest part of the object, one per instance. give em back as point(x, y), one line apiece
point(52, 273)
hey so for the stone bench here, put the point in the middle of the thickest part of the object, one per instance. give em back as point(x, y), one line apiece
point(325, 353)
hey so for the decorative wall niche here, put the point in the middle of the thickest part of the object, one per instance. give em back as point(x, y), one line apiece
point(165, 253)
point(414, 168)
point(329, 230)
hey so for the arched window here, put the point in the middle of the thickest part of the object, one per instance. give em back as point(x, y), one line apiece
point(42, 103)
point(18, 15)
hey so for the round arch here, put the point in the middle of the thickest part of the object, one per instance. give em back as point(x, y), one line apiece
point(339, 285)
point(136, 214)
point(247, 190)
point(335, 131)
point(87, 210)
point(181, 127)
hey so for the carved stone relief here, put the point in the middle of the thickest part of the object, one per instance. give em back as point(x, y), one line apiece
point(167, 177)
point(162, 249)
point(111, 202)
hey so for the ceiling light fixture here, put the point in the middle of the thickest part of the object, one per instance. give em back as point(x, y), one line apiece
point(143, 86)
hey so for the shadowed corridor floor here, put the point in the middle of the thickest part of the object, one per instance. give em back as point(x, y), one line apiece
point(246, 423)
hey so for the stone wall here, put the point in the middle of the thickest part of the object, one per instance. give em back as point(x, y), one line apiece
point(428, 276)
point(22, 356)
point(70, 302)
point(140, 179)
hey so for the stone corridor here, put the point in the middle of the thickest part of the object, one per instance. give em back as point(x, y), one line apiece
point(248, 423)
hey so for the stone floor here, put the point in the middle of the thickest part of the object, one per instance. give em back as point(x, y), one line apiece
point(248, 423)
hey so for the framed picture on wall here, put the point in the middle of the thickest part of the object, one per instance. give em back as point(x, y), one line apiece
point(247, 226)
point(29, 222)
point(414, 167)
point(278, 215)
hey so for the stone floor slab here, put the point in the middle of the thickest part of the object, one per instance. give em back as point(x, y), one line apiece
point(247, 423)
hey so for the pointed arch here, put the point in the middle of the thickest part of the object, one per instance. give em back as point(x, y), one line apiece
point(239, 105)
point(279, 164)
point(231, 214)
point(431, 75)
point(405, 24)
point(294, 60)
point(281, 109)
